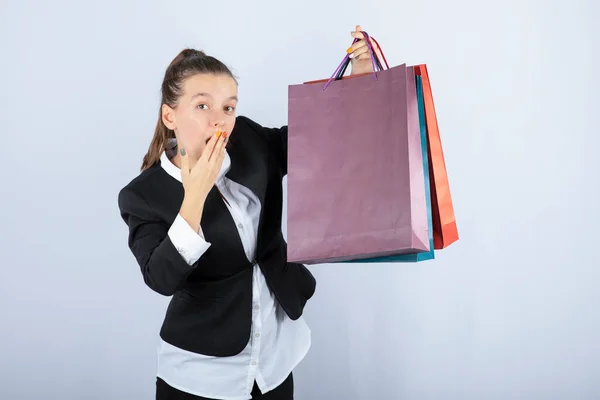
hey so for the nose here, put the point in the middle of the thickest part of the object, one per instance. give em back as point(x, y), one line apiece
point(217, 120)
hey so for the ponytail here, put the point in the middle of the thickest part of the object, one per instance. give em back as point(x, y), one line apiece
point(159, 143)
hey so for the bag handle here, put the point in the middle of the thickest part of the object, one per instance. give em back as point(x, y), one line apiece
point(377, 60)
point(381, 51)
point(339, 71)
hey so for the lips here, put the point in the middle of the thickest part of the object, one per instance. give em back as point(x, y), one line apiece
point(218, 134)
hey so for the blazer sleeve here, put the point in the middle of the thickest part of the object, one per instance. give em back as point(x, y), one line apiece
point(163, 267)
point(277, 140)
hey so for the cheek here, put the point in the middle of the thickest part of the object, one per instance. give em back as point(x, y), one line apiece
point(198, 118)
point(190, 131)
point(192, 122)
point(194, 141)
point(229, 125)
point(197, 148)
point(190, 138)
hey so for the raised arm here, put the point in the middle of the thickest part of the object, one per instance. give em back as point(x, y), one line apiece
point(166, 254)
point(277, 140)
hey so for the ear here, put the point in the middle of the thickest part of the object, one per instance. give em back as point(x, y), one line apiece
point(168, 117)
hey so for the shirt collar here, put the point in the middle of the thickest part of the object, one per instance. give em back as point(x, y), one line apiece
point(175, 172)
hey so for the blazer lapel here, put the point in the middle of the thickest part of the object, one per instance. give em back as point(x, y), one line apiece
point(248, 164)
point(249, 168)
point(219, 227)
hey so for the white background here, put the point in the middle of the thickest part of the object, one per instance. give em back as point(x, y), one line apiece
point(508, 312)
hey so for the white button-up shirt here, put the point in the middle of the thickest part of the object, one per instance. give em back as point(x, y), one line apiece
point(276, 344)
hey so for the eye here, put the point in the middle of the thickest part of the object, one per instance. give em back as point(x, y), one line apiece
point(200, 106)
point(229, 109)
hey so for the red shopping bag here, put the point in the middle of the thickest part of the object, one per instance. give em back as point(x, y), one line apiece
point(445, 231)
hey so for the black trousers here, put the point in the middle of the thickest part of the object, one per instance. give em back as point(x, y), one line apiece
point(285, 391)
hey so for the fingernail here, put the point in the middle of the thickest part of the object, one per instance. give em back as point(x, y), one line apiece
point(182, 151)
point(218, 134)
point(224, 135)
point(349, 50)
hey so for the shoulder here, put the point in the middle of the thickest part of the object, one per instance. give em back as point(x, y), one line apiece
point(247, 131)
point(245, 123)
point(249, 123)
point(133, 195)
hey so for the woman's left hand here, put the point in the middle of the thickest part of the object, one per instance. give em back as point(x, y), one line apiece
point(360, 54)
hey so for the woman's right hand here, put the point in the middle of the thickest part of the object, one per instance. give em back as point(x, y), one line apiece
point(200, 179)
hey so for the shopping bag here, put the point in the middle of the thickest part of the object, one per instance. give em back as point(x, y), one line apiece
point(426, 255)
point(445, 231)
point(355, 169)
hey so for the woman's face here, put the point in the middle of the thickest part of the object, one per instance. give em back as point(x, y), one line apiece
point(207, 105)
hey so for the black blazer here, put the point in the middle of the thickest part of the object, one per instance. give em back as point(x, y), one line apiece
point(210, 311)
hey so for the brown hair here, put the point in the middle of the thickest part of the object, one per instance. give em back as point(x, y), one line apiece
point(187, 63)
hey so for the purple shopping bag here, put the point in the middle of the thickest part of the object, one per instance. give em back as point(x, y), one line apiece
point(355, 169)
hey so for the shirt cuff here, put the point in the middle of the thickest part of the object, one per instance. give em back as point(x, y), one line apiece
point(189, 244)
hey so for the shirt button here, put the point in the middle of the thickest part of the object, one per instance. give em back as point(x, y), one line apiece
point(257, 335)
point(254, 363)
point(240, 226)
point(256, 307)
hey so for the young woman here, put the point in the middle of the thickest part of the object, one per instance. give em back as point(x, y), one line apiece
point(204, 219)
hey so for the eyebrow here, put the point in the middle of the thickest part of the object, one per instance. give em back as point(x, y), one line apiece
point(209, 95)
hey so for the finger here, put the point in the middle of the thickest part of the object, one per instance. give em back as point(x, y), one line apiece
point(376, 50)
point(361, 51)
point(357, 33)
point(365, 52)
point(217, 145)
point(356, 46)
point(225, 143)
point(219, 161)
point(215, 165)
point(359, 44)
point(208, 149)
point(220, 146)
point(185, 162)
